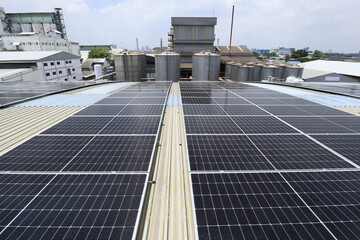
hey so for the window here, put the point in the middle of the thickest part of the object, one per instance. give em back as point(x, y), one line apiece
point(69, 61)
point(58, 63)
point(60, 72)
point(52, 64)
point(54, 73)
point(42, 43)
point(74, 77)
point(37, 43)
point(57, 44)
point(73, 69)
point(47, 74)
point(65, 79)
point(66, 62)
point(68, 71)
point(45, 64)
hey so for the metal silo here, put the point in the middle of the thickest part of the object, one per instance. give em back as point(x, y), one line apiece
point(242, 74)
point(257, 72)
point(281, 71)
point(228, 69)
point(250, 74)
point(205, 66)
point(266, 72)
point(291, 71)
point(128, 66)
point(234, 71)
point(167, 67)
point(276, 71)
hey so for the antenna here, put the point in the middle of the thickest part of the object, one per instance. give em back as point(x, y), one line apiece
point(137, 44)
point(232, 22)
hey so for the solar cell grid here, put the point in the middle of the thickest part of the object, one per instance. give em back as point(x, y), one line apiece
point(315, 125)
point(114, 153)
point(243, 110)
point(222, 95)
point(189, 100)
point(297, 152)
point(81, 207)
point(194, 94)
point(43, 153)
point(110, 110)
point(285, 110)
point(322, 110)
point(148, 101)
point(252, 206)
point(224, 152)
point(203, 110)
point(231, 101)
point(210, 124)
point(262, 124)
point(79, 125)
point(351, 122)
point(148, 94)
point(123, 95)
point(142, 110)
point(132, 125)
point(115, 101)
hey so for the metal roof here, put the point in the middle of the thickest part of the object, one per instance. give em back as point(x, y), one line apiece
point(33, 56)
point(346, 68)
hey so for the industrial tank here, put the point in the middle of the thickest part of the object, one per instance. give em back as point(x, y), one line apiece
point(205, 66)
point(228, 69)
point(276, 71)
point(257, 72)
point(250, 77)
point(281, 71)
point(128, 66)
point(167, 67)
point(234, 71)
point(242, 74)
point(266, 72)
point(291, 71)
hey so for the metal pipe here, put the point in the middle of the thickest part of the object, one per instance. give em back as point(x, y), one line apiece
point(232, 22)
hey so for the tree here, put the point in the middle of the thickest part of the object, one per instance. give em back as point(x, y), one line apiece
point(256, 54)
point(287, 57)
point(301, 53)
point(101, 53)
point(317, 54)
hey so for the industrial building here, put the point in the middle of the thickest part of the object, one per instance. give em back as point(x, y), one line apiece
point(183, 160)
point(87, 67)
point(40, 66)
point(43, 31)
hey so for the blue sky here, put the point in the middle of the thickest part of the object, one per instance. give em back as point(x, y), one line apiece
point(320, 24)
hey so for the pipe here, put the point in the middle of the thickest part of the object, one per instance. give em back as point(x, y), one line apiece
point(232, 22)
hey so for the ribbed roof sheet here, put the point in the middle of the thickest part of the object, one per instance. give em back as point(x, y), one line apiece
point(107, 88)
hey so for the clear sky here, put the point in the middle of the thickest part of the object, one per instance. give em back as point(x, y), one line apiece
point(318, 24)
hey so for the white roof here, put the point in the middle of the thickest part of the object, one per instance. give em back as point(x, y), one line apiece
point(55, 31)
point(321, 67)
point(25, 56)
point(27, 33)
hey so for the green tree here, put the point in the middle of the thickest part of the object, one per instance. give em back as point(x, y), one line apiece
point(101, 53)
point(317, 54)
point(270, 54)
point(256, 55)
point(301, 53)
point(287, 57)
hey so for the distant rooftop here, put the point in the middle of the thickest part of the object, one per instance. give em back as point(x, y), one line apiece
point(193, 21)
point(33, 56)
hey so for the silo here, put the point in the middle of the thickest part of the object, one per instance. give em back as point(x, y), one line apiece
point(242, 74)
point(291, 71)
point(301, 71)
point(128, 66)
point(167, 67)
point(250, 74)
point(267, 71)
point(276, 71)
point(234, 71)
point(281, 71)
point(205, 66)
point(257, 72)
point(228, 69)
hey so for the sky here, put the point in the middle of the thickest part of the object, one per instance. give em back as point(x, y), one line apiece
point(318, 24)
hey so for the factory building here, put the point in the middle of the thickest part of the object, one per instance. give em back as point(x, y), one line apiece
point(44, 31)
point(44, 66)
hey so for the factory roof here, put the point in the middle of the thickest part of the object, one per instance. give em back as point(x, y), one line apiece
point(322, 67)
point(34, 56)
point(92, 61)
point(196, 21)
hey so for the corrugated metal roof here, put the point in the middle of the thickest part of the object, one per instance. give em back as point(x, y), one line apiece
point(321, 98)
point(25, 56)
point(106, 89)
point(174, 100)
point(346, 68)
point(64, 100)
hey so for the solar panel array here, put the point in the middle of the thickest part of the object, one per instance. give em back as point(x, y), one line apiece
point(267, 165)
point(13, 92)
point(85, 177)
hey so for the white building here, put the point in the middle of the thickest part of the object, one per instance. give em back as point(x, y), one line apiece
point(49, 65)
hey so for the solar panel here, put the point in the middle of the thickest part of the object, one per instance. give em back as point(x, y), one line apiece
point(203, 110)
point(75, 206)
point(252, 206)
point(315, 125)
point(243, 110)
point(262, 124)
point(285, 110)
point(114, 153)
point(132, 125)
point(109, 110)
point(297, 152)
point(231, 101)
point(124, 95)
point(346, 145)
point(267, 101)
point(194, 94)
point(142, 110)
point(189, 100)
point(79, 125)
point(351, 122)
point(222, 95)
point(148, 101)
point(43, 153)
point(148, 94)
point(210, 124)
point(224, 152)
point(322, 110)
point(115, 101)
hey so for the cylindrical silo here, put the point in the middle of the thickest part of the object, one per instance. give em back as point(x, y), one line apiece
point(205, 66)
point(167, 67)
point(301, 71)
point(228, 69)
point(276, 71)
point(266, 72)
point(128, 66)
point(281, 71)
point(242, 74)
point(257, 72)
point(250, 74)
point(234, 71)
point(291, 71)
